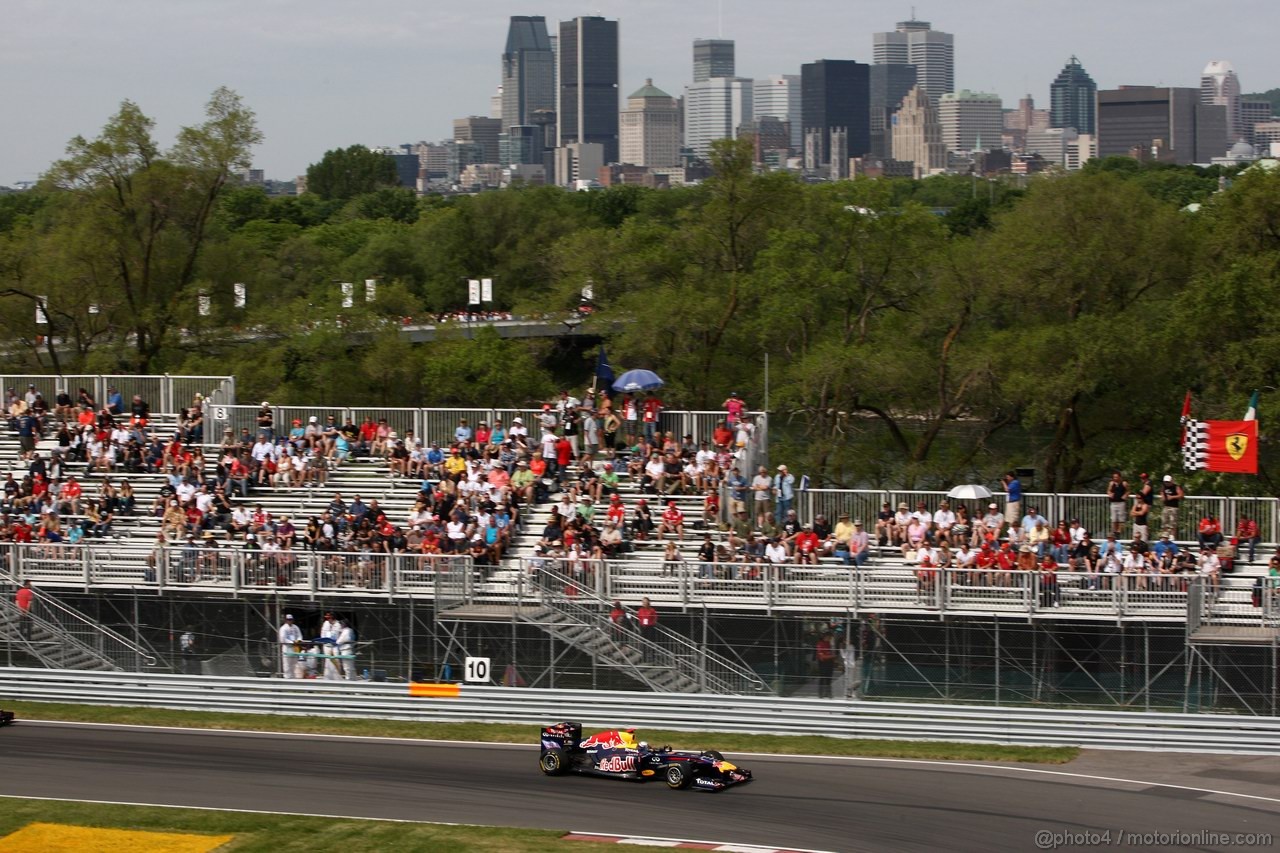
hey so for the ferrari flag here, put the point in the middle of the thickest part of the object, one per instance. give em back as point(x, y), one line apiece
point(1225, 446)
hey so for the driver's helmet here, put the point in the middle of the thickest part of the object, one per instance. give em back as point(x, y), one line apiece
point(644, 746)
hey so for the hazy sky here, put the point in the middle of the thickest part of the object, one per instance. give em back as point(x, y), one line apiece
point(323, 74)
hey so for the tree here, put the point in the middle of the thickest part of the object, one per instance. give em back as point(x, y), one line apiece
point(136, 220)
point(345, 173)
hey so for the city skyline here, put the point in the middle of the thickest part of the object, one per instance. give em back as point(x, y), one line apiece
point(323, 75)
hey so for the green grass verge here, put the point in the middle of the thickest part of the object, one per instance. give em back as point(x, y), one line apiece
point(507, 733)
point(270, 833)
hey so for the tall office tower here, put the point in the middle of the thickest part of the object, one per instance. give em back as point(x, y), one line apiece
point(1162, 123)
point(1252, 114)
point(528, 71)
point(1073, 98)
point(930, 51)
point(481, 130)
point(587, 95)
point(836, 93)
point(649, 129)
point(714, 109)
point(971, 121)
point(917, 134)
point(889, 85)
point(779, 97)
point(712, 58)
point(1220, 86)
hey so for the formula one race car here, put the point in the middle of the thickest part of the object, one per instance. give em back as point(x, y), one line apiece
point(618, 755)
point(5, 717)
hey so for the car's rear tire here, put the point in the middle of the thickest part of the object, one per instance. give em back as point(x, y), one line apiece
point(552, 762)
point(677, 776)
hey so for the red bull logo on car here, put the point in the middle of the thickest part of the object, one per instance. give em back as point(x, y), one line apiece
point(610, 740)
point(618, 763)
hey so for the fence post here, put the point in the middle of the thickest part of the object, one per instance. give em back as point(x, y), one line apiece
point(86, 560)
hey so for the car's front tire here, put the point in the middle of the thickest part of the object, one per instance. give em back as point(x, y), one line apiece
point(552, 762)
point(677, 776)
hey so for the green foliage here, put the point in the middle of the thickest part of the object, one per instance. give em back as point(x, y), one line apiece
point(345, 173)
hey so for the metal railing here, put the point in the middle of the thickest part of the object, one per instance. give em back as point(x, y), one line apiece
point(164, 393)
point(70, 631)
point(707, 669)
point(438, 425)
point(1203, 733)
point(1092, 510)
point(686, 584)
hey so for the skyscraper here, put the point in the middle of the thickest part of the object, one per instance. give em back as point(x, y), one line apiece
point(712, 58)
point(1161, 121)
point(587, 96)
point(649, 131)
point(917, 134)
point(889, 85)
point(1072, 98)
point(779, 97)
point(971, 121)
point(528, 71)
point(714, 109)
point(1220, 86)
point(836, 93)
point(915, 43)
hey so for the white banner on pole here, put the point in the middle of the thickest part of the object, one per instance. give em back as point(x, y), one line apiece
point(348, 294)
point(205, 303)
point(41, 303)
point(473, 291)
point(486, 290)
point(93, 309)
point(370, 289)
point(240, 292)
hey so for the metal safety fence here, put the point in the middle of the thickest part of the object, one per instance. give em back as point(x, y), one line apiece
point(162, 392)
point(1091, 510)
point(1204, 733)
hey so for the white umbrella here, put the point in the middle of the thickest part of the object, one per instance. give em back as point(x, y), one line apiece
point(971, 492)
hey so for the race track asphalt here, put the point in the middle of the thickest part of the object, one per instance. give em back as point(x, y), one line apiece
point(822, 804)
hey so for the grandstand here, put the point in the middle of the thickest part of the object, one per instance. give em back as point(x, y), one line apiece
point(536, 592)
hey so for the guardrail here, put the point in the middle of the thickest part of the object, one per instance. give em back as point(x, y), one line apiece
point(164, 393)
point(1093, 510)
point(1253, 735)
point(825, 587)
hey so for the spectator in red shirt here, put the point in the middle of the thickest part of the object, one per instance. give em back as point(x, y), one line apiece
point(1247, 533)
point(672, 521)
point(1209, 532)
point(23, 598)
point(69, 497)
point(617, 512)
point(647, 618)
point(722, 437)
point(806, 545)
point(1048, 581)
point(652, 409)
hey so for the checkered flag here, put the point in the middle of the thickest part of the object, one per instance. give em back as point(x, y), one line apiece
point(1195, 445)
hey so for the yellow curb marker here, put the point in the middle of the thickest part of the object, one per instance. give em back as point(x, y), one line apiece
point(60, 838)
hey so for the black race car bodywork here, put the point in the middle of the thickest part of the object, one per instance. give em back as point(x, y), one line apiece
point(618, 755)
point(6, 717)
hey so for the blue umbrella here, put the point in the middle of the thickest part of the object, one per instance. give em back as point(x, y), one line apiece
point(638, 380)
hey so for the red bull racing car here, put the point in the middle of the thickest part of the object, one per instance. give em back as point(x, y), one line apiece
point(618, 755)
